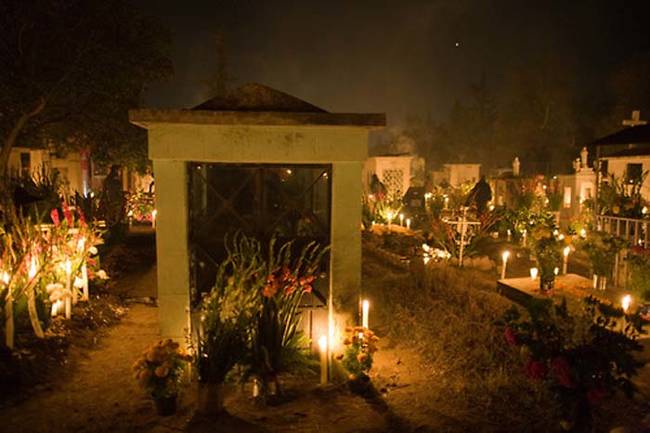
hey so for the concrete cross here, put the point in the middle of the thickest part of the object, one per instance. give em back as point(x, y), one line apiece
point(635, 120)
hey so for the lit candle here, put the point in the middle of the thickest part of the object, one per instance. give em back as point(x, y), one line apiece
point(565, 262)
point(408, 223)
point(401, 219)
point(446, 201)
point(626, 301)
point(154, 213)
point(509, 235)
point(365, 308)
point(583, 233)
point(533, 273)
point(322, 344)
point(389, 217)
point(556, 271)
point(67, 266)
point(84, 276)
point(504, 258)
point(525, 234)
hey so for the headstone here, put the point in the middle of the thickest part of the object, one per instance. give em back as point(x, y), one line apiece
point(516, 165)
point(583, 158)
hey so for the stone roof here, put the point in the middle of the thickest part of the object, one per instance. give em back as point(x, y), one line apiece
point(634, 151)
point(257, 97)
point(631, 135)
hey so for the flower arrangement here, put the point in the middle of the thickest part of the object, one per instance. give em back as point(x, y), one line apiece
point(360, 345)
point(277, 343)
point(601, 248)
point(159, 369)
point(139, 206)
point(639, 282)
point(547, 249)
point(46, 264)
point(581, 358)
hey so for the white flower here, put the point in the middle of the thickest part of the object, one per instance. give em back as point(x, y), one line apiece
point(102, 275)
point(92, 250)
point(53, 287)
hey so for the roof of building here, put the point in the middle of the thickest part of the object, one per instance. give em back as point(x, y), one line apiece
point(258, 97)
point(630, 135)
point(634, 151)
point(256, 104)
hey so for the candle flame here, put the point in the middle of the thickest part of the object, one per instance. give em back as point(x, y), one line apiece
point(626, 301)
point(322, 343)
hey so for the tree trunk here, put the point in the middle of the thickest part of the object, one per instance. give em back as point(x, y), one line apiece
point(11, 138)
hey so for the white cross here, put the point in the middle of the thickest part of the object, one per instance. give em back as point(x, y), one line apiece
point(635, 120)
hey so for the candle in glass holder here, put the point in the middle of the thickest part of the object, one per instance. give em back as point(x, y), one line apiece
point(365, 309)
point(322, 344)
point(533, 273)
point(626, 301)
point(565, 261)
point(504, 257)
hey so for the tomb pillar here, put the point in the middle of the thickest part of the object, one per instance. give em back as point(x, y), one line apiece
point(173, 267)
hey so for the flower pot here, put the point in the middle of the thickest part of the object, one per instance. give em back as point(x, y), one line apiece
point(165, 406)
point(211, 398)
point(546, 285)
point(360, 384)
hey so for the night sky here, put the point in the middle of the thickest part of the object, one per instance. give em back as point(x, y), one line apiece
point(404, 57)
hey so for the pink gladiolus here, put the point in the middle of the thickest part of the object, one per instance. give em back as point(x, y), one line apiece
point(596, 395)
point(536, 369)
point(54, 215)
point(562, 371)
point(67, 214)
point(510, 336)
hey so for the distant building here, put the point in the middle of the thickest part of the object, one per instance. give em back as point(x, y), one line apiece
point(575, 188)
point(457, 174)
point(629, 165)
point(394, 171)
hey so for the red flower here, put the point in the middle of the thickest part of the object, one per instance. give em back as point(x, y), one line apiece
point(54, 215)
point(562, 371)
point(536, 369)
point(82, 218)
point(596, 395)
point(67, 214)
point(510, 336)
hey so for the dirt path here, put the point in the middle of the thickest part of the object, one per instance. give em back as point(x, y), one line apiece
point(98, 394)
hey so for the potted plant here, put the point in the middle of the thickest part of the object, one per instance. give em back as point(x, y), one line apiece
point(581, 357)
point(547, 249)
point(227, 314)
point(360, 345)
point(277, 344)
point(602, 248)
point(159, 371)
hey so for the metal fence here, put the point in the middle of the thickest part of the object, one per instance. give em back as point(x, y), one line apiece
point(631, 229)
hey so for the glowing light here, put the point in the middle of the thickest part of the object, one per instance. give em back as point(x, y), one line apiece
point(408, 223)
point(533, 273)
point(644, 210)
point(322, 344)
point(389, 216)
point(401, 219)
point(33, 268)
point(371, 196)
point(626, 301)
point(583, 233)
point(288, 171)
point(427, 195)
point(5, 277)
point(504, 258)
point(365, 309)
point(67, 266)
point(81, 244)
point(566, 251)
point(556, 271)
